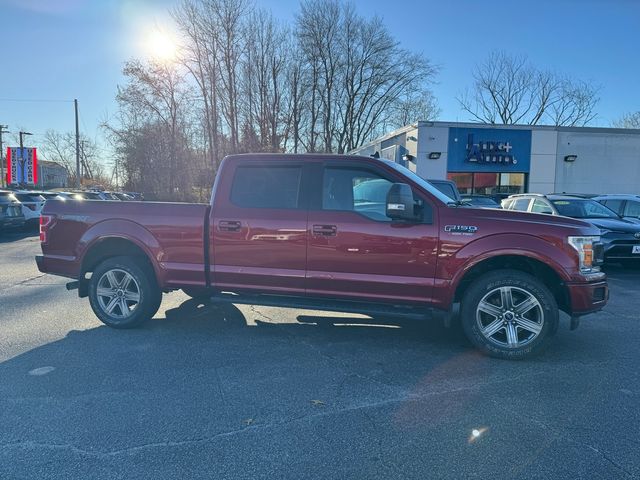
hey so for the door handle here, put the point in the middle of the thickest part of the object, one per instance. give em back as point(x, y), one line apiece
point(325, 230)
point(229, 226)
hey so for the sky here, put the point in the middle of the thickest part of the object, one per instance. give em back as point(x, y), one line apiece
point(56, 50)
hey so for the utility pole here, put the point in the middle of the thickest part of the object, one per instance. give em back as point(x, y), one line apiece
point(75, 104)
point(2, 130)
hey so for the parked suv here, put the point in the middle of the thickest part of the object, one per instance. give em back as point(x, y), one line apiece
point(10, 211)
point(627, 206)
point(621, 238)
point(32, 203)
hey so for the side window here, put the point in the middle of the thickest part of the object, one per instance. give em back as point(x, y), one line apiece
point(632, 209)
point(507, 204)
point(267, 186)
point(615, 205)
point(447, 189)
point(521, 204)
point(540, 206)
point(355, 190)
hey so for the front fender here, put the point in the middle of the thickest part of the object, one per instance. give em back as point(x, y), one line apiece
point(458, 263)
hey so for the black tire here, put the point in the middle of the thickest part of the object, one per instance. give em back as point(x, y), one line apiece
point(142, 285)
point(518, 335)
point(198, 293)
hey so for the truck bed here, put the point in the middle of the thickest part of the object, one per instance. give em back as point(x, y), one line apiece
point(173, 234)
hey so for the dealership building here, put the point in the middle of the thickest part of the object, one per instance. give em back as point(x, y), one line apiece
point(484, 158)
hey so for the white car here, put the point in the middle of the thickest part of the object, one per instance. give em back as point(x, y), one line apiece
point(32, 203)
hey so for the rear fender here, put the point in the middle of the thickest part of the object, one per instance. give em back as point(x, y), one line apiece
point(125, 230)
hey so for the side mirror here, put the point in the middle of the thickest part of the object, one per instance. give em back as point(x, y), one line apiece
point(400, 203)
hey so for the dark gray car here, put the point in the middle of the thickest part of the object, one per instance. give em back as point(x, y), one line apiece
point(620, 237)
point(10, 211)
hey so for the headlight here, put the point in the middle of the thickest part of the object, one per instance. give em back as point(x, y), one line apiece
point(584, 247)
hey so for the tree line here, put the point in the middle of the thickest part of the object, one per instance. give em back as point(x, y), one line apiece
point(246, 82)
point(329, 81)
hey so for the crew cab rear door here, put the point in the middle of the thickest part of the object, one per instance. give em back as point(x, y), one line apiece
point(355, 250)
point(258, 227)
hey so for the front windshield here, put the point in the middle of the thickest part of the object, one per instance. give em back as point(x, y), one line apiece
point(480, 201)
point(582, 208)
point(420, 181)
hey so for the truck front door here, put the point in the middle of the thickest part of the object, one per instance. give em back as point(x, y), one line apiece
point(355, 250)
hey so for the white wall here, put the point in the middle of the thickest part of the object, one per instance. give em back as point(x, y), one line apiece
point(432, 139)
point(542, 173)
point(606, 163)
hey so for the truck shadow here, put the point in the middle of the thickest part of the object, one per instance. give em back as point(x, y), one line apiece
point(195, 315)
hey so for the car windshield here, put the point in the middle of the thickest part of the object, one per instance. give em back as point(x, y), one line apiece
point(91, 196)
point(582, 208)
point(480, 201)
point(29, 197)
point(7, 196)
point(419, 181)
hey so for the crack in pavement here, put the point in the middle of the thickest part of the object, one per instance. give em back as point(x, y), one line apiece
point(29, 444)
point(564, 436)
point(23, 282)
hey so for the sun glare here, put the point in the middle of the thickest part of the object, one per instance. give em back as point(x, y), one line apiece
point(160, 46)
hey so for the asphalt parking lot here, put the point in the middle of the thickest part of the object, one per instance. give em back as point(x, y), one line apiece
point(205, 391)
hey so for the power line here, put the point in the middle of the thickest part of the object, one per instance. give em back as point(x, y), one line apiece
point(33, 100)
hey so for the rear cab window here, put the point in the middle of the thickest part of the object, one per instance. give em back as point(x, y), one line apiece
point(267, 186)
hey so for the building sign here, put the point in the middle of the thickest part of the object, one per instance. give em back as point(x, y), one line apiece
point(22, 166)
point(489, 150)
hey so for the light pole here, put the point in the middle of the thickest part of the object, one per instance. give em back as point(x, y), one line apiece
point(2, 130)
point(23, 160)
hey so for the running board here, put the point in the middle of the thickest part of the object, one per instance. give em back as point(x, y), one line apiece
point(417, 312)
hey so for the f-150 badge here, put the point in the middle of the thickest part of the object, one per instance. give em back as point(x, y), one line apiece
point(460, 229)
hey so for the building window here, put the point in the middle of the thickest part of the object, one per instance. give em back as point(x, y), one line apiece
point(489, 183)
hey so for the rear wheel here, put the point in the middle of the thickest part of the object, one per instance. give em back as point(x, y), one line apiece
point(123, 292)
point(509, 314)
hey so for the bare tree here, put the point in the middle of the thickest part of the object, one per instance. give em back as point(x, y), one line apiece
point(200, 54)
point(246, 82)
point(357, 71)
point(628, 120)
point(510, 90)
point(61, 148)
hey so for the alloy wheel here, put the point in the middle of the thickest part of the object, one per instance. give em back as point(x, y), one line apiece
point(510, 317)
point(118, 293)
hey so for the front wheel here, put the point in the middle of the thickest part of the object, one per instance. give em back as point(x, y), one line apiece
point(123, 292)
point(509, 314)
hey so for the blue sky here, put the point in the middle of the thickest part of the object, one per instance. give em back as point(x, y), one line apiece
point(64, 49)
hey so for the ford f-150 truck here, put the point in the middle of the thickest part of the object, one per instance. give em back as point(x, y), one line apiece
point(331, 232)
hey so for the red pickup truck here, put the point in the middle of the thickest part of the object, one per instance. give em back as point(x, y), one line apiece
point(331, 232)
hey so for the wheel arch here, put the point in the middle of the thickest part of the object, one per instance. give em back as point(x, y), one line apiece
point(104, 248)
point(524, 263)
